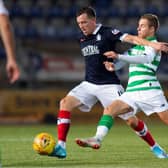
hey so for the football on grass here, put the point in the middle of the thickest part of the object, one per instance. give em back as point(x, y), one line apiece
point(44, 144)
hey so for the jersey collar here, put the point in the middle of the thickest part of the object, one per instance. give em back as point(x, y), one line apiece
point(98, 26)
point(151, 38)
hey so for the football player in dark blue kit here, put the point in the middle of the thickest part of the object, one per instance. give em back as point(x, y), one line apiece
point(99, 84)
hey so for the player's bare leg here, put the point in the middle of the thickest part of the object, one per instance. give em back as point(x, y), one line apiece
point(106, 122)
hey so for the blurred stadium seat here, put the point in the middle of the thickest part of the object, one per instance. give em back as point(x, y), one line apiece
point(59, 10)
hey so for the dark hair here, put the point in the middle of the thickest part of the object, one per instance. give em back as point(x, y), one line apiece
point(152, 19)
point(87, 10)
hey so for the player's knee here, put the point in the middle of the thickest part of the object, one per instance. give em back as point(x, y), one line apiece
point(164, 116)
point(69, 103)
point(107, 111)
point(132, 122)
point(122, 107)
point(63, 101)
point(125, 108)
point(64, 104)
point(116, 108)
point(112, 110)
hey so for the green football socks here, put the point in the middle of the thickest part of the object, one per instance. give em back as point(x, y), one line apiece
point(106, 120)
point(104, 125)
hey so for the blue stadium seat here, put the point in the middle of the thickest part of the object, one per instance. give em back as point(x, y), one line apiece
point(102, 4)
point(36, 11)
point(19, 32)
point(113, 11)
point(16, 11)
point(133, 11)
point(55, 11)
point(164, 12)
point(151, 9)
point(2, 53)
point(110, 11)
point(68, 33)
point(70, 12)
point(31, 32)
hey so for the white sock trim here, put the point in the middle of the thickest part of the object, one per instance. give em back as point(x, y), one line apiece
point(62, 143)
point(142, 132)
point(101, 132)
point(63, 121)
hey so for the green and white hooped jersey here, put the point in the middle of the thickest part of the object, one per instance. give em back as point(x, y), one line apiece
point(143, 76)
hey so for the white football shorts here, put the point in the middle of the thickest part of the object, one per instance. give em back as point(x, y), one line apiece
point(149, 101)
point(89, 93)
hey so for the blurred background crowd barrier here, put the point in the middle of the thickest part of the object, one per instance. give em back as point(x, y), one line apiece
point(49, 55)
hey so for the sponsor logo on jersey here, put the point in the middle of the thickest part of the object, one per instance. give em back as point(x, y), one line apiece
point(90, 50)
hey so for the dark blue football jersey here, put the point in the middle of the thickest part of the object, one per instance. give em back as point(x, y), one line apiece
point(92, 48)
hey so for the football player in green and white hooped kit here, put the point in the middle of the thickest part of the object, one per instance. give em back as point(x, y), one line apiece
point(143, 91)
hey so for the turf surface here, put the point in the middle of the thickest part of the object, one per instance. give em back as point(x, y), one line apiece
point(121, 148)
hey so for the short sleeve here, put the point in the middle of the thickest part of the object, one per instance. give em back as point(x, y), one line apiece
point(3, 9)
point(114, 34)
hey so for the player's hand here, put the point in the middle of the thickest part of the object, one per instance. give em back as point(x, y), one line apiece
point(13, 71)
point(109, 66)
point(160, 46)
point(111, 54)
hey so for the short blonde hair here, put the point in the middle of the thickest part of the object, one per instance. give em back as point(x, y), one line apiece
point(152, 19)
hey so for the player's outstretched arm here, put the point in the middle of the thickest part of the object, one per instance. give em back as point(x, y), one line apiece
point(158, 46)
point(146, 57)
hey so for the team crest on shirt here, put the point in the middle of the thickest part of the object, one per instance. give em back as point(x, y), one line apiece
point(115, 31)
point(98, 37)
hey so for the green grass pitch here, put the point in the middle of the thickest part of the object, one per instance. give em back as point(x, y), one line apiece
point(121, 148)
